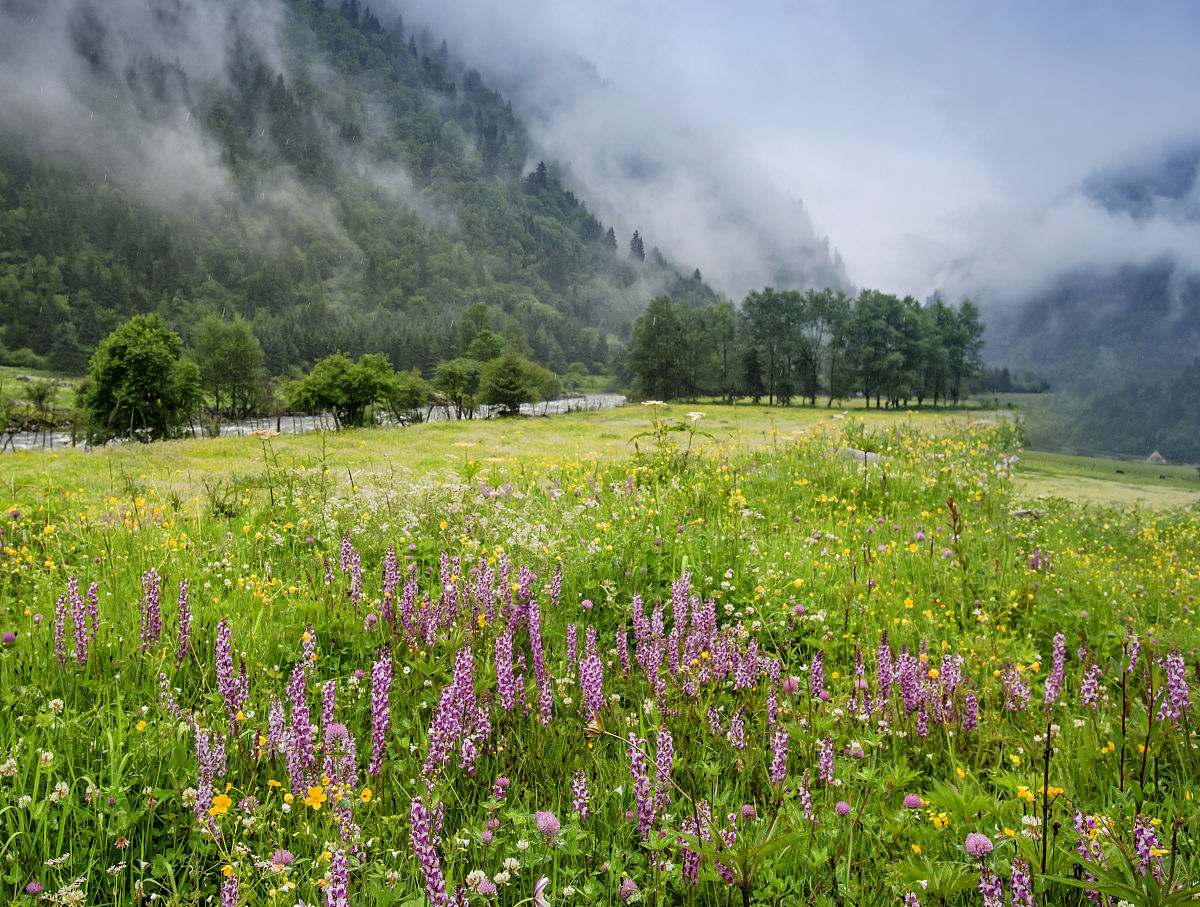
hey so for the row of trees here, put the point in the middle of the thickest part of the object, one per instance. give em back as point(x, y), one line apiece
point(141, 385)
point(787, 344)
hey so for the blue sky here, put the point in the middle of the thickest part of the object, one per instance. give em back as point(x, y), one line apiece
point(922, 137)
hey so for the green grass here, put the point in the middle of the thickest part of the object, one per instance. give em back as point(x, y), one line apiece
point(600, 521)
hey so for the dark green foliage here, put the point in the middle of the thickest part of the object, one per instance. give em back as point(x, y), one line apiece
point(230, 360)
point(637, 248)
point(458, 381)
point(349, 390)
point(139, 388)
point(785, 343)
point(511, 380)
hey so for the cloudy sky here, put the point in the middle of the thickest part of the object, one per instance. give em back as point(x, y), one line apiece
point(916, 133)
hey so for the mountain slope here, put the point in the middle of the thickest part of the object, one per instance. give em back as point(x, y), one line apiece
point(341, 184)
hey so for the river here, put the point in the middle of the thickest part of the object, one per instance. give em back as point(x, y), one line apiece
point(296, 424)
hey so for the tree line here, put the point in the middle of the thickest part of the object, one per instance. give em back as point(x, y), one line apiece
point(784, 345)
point(142, 383)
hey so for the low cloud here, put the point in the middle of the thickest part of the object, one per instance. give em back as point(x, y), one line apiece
point(108, 86)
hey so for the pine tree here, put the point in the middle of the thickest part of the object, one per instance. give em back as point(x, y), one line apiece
point(637, 249)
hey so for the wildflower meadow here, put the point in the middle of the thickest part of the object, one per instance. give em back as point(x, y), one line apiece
point(839, 663)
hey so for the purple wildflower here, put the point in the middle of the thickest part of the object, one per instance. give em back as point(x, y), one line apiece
point(381, 686)
point(991, 888)
point(1020, 893)
point(591, 683)
point(151, 613)
point(842, 808)
point(60, 631)
point(884, 667)
point(459, 721)
point(1177, 700)
point(1133, 647)
point(912, 801)
point(184, 641)
point(301, 761)
point(714, 721)
point(816, 679)
point(627, 890)
point(779, 756)
point(1089, 687)
point(230, 685)
point(78, 620)
point(910, 900)
point(1055, 678)
point(1016, 691)
point(282, 857)
point(978, 846)
point(548, 825)
point(643, 787)
point(736, 735)
point(1145, 844)
point(341, 755)
point(35, 888)
point(337, 892)
point(572, 644)
point(276, 728)
point(662, 764)
point(825, 759)
point(229, 891)
point(423, 825)
point(506, 681)
point(328, 702)
point(579, 794)
point(210, 760)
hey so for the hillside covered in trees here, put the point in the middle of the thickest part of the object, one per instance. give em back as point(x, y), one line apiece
point(337, 182)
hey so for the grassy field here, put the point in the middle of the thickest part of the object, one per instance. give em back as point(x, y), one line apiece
point(642, 654)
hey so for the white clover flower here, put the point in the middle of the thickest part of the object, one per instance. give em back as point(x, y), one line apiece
point(512, 864)
point(55, 705)
point(522, 844)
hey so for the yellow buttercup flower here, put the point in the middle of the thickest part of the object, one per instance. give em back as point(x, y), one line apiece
point(220, 805)
point(316, 796)
point(365, 796)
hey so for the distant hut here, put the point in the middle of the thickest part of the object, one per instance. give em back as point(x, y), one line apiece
point(1156, 457)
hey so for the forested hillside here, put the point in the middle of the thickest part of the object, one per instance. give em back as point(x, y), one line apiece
point(354, 188)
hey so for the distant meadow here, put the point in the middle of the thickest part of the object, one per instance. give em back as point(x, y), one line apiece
point(659, 655)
